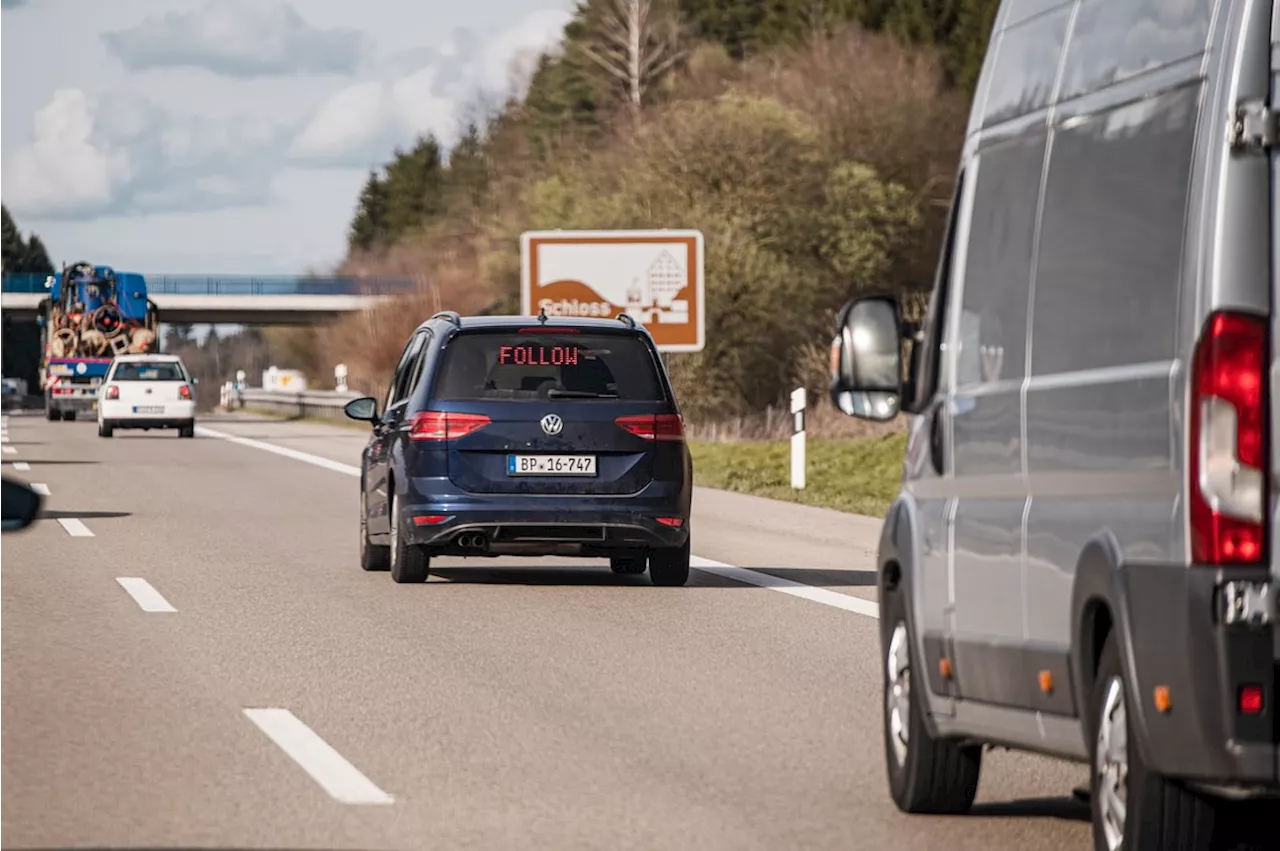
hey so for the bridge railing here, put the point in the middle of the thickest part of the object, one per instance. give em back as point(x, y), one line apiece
point(232, 285)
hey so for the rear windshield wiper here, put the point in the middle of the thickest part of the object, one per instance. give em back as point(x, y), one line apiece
point(579, 394)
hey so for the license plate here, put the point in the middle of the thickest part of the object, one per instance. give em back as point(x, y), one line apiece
point(148, 410)
point(551, 465)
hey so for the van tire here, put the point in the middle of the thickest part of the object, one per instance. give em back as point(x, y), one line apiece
point(409, 564)
point(669, 567)
point(938, 776)
point(104, 429)
point(1160, 813)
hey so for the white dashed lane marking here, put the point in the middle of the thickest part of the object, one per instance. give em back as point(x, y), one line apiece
point(40, 488)
point(22, 466)
point(342, 780)
point(147, 597)
point(75, 527)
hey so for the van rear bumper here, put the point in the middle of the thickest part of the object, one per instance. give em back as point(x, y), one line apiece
point(1178, 636)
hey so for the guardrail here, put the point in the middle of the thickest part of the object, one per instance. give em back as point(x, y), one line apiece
point(326, 404)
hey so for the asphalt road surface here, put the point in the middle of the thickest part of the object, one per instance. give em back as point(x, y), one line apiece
point(193, 657)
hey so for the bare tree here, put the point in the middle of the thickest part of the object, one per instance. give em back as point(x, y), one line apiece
point(634, 46)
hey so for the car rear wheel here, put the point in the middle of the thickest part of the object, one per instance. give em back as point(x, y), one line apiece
point(926, 775)
point(371, 557)
point(187, 430)
point(669, 567)
point(628, 565)
point(408, 563)
point(104, 429)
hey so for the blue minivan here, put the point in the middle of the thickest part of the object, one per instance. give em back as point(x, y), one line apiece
point(519, 436)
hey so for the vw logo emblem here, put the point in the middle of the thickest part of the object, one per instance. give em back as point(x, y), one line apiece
point(552, 424)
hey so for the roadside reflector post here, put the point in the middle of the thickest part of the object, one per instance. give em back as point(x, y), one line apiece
point(798, 404)
point(340, 378)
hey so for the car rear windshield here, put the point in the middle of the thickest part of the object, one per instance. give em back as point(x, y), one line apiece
point(170, 371)
point(548, 365)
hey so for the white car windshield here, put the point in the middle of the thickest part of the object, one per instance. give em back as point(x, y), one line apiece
point(171, 371)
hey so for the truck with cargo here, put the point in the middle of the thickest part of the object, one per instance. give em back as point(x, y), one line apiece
point(92, 314)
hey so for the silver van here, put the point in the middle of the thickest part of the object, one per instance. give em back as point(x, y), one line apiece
point(1081, 560)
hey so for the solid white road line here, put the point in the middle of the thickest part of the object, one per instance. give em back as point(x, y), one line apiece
point(847, 602)
point(282, 450)
point(339, 778)
point(75, 528)
point(39, 488)
point(21, 465)
point(147, 598)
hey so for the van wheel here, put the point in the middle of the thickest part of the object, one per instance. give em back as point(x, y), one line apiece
point(104, 429)
point(628, 565)
point(670, 567)
point(371, 557)
point(408, 563)
point(1135, 808)
point(926, 775)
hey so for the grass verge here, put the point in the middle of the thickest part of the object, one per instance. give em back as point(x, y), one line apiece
point(858, 475)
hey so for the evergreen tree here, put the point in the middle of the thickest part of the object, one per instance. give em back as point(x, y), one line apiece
point(21, 255)
point(368, 228)
point(415, 187)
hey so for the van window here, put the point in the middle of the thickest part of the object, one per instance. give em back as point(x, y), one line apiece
point(162, 371)
point(512, 365)
point(1110, 256)
point(1113, 40)
point(997, 278)
point(1026, 66)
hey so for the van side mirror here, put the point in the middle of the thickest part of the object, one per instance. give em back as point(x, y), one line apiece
point(364, 409)
point(19, 503)
point(866, 359)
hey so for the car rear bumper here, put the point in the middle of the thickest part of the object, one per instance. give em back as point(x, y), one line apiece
point(1179, 639)
point(122, 413)
point(587, 526)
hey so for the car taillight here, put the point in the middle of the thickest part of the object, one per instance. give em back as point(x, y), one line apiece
point(113, 392)
point(184, 391)
point(665, 427)
point(1228, 427)
point(445, 425)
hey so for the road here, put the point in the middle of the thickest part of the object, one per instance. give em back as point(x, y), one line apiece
point(192, 657)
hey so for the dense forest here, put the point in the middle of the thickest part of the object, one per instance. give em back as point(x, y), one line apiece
point(21, 340)
point(814, 142)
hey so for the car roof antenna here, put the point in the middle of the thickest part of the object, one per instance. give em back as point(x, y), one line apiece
point(542, 315)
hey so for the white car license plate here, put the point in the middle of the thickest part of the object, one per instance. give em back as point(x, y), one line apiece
point(143, 409)
point(551, 465)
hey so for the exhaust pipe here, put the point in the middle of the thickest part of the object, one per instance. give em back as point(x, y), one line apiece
point(472, 541)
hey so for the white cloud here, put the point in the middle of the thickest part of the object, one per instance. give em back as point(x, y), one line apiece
point(65, 169)
point(126, 155)
point(424, 91)
point(237, 38)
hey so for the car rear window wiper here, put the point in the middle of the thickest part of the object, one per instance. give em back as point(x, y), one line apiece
point(579, 394)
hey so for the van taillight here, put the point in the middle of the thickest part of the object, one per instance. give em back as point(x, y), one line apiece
point(445, 425)
point(1228, 432)
point(664, 427)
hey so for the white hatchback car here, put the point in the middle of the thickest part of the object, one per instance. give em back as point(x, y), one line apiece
point(147, 391)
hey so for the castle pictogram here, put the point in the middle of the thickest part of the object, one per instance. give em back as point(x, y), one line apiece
point(655, 300)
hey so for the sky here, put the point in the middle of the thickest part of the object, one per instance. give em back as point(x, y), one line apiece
point(233, 136)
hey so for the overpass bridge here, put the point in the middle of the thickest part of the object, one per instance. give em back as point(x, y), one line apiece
point(231, 299)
